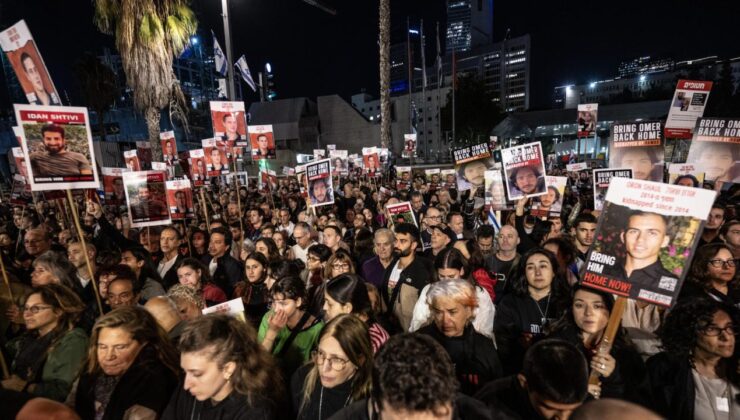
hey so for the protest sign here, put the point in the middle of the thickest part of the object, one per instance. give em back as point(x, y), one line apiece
point(471, 163)
point(686, 174)
point(268, 180)
point(131, 159)
point(401, 213)
point(58, 147)
point(449, 178)
point(638, 146)
point(403, 177)
point(587, 119)
point(262, 142)
point(180, 199)
point(409, 146)
point(524, 170)
point(496, 190)
point(432, 178)
point(144, 152)
point(319, 154)
point(320, 184)
point(339, 162)
point(19, 158)
point(550, 204)
point(115, 193)
point(169, 147)
point(234, 308)
point(602, 178)
point(716, 147)
point(198, 171)
point(371, 160)
point(217, 163)
point(576, 167)
point(645, 239)
point(229, 123)
point(689, 101)
point(20, 192)
point(29, 67)
point(146, 197)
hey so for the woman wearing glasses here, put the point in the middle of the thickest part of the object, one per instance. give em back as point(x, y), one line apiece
point(341, 371)
point(49, 355)
point(696, 375)
point(713, 273)
point(339, 263)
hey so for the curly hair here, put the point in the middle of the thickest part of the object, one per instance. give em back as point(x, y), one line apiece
point(413, 372)
point(559, 286)
point(227, 339)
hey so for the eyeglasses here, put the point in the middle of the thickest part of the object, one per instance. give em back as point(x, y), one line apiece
point(122, 297)
point(713, 331)
point(35, 308)
point(340, 266)
point(723, 263)
point(335, 363)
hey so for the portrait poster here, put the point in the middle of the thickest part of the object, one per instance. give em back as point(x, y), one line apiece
point(20, 192)
point(198, 170)
point(180, 199)
point(319, 154)
point(300, 174)
point(524, 171)
point(113, 189)
point(144, 152)
point(471, 163)
point(449, 178)
point(217, 163)
point(551, 203)
point(602, 178)
point(638, 146)
point(409, 145)
point(686, 174)
point(169, 147)
point(587, 119)
point(288, 171)
point(403, 177)
point(146, 198)
point(320, 184)
point(401, 213)
point(339, 165)
point(268, 180)
point(645, 239)
point(131, 159)
point(496, 190)
point(716, 147)
point(237, 156)
point(431, 176)
point(371, 160)
point(330, 148)
point(19, 158)
point(689, 101)
point(58, 147)
point(23, 55)
point(229, 122)
point(262, 142)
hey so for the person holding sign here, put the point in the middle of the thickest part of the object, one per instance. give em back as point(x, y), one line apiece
point(55, 159)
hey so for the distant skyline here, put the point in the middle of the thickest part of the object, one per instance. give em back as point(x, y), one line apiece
point(314, 53)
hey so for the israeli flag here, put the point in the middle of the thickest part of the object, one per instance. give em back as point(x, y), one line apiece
point(218, 56)
point(243, 68)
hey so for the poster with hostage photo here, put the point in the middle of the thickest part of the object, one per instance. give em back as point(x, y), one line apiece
point(638, 146)
point(229, 123)
point(262, 140)
point(686, 174)
point(131, 159)
point(551, 203)
point(115, 193)
point(471, 163)
point(169, 147)
point(496, 190)
point(403, 177)
point(339, 162)
point(217, 163)
point(146, 197)
point(524, 171)
point(198, 170)
point(320, 186)
point(716, 148)
point(58, 146)
point(180, 199)
point(645, 239)
point(602, 178)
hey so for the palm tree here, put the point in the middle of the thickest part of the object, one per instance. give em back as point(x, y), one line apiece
point(98, 83)
point(385, 72)
point(149, 34)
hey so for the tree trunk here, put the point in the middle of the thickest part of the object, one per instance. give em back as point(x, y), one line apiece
point(153, 116)
point(385, 72)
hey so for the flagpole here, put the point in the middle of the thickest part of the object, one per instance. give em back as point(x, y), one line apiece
point(229, 58)
point(439, 85)
point(410, 73)
point(424, 86)
point(454, 87)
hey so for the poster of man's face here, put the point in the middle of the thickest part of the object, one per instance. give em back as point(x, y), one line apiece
point(716, 148)
point(28, 65)
point(180, 199)
point(217, 162)
point(262, 142)
point(169, 147)
point(146, 197)
point(229, 123)
point(59, 147)
point(113, 189)
point(371, 162)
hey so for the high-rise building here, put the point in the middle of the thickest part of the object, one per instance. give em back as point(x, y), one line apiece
point(645, 65)
point(469, 24)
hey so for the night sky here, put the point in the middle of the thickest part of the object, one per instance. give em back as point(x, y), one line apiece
point(314, 53)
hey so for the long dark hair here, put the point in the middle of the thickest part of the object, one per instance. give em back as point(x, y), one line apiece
point(698, 272)
point(205, 274)
point(558, 288)
point(350, 288)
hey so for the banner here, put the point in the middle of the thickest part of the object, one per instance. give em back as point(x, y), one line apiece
point(132, 160)
point(688, 104)
point(686, 174)
point(587, 119)
point(551, 203)
point(146, 197)
point(638, 146)
point(716, 147)
point(401, 213)
point(229, 122)
point(645, 239)
point(524, 170)
point(403, 177)
point(58, 146)
point(339, 164)
point(576, 167)
point(180, 199)
point(29, 67)
point(320, 184)
point(471, 163)
point(169, 147)
point(602, 178)
point(115, 193)
point(495, 190)
point(262, 142)
point(409, 145)
point(217, 163)
point(198, 171)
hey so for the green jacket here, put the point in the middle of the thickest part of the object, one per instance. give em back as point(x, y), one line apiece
point(62, 366)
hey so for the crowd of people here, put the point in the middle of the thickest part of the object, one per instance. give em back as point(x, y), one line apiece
point(351, 314)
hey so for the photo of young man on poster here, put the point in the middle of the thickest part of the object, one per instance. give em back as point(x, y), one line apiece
point(55, 159)
point(34, 75)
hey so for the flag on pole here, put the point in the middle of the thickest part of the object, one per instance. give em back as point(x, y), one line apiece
point(218, 56)
point(494, 220)
point(423, 56)
point(439, 60)
point(243, 68)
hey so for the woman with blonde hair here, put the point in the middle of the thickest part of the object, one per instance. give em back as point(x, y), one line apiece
point(227, 373)
point(340, 373)
point(131, 368)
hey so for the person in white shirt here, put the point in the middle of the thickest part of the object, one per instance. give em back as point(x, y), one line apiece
point(302, 236)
